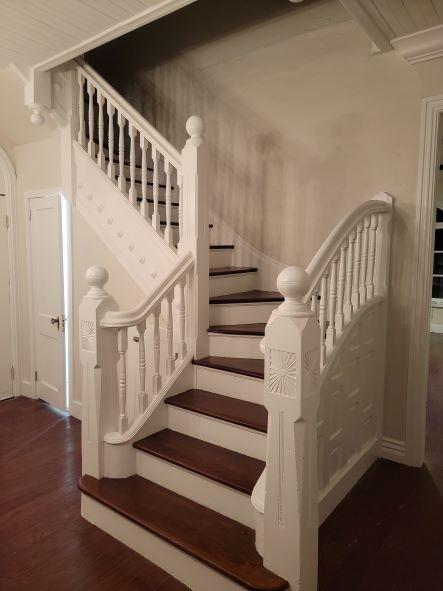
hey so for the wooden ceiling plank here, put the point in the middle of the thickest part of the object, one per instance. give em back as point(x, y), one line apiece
point(396, 16)
point(369, 24)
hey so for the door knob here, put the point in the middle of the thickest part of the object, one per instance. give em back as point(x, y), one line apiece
point(56, 321)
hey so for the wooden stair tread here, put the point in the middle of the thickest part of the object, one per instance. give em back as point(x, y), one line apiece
point(232, 410)
point(160, 201)
point(257, 329)
point(248, 297)
point(223, 544)
point(221, 246)
point(212, 461)
point(254, 368)
point(216, 271)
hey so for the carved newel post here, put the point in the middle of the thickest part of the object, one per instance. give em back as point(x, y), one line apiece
point(194, 229)
point(292, 366)
point(96, 355)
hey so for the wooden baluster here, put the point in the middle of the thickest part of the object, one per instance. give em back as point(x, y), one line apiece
point(180, 204)
point(347, 307)
point(81, 110)
point(357, 264)
point(182, 346)
point(101, 130)
point(323, 313)
point(91, 144)
point(111, 166)
point(170, 360)
point(121, 153)
point(144, 208)
point(122, 343)
point(332, 301)
point(169, 234)
point(132, 187)
point(364, 260)
point(370, 287)
point(156, 378)
point(142, 396)
point(155, 190)
point(314, 302)
point(339, 314)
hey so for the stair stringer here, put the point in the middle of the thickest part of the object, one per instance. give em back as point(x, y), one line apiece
point(131, 239)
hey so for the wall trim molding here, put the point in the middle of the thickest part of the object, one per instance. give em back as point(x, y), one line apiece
point(421, 46)
point(432, 109)
point(394, 450)
point(10, 179)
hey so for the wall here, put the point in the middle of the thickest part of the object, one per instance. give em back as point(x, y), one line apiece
point(303, 123)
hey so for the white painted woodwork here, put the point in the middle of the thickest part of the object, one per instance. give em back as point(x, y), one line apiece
point(142, 396)
point(222, 345)
point(220, 258)
point(111, 166)
point(122, 344)
point(229, 384)
point(47, 297)
point(206, 492)
point(420, 46)
point(234, 283)
point(6, 361)
point(241, 313)
point(132, 187)
point(234, 437)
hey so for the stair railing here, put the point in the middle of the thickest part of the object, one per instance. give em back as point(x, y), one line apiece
point(348, 275)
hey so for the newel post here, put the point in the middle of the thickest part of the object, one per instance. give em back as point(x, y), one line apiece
point(292, 365)
point(96, 350)
point(195, 229)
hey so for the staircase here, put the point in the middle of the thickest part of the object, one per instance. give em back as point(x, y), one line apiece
point(208, 449)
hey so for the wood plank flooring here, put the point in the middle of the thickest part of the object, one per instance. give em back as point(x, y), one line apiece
point(45, 544)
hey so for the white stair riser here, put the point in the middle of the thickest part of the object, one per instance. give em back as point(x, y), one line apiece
point(235, 346)
point(211, 494)
point(234, 437)
point(226, 284)
point(240, 313)
point(182, 566)
point(220, 258)
point(229, 384)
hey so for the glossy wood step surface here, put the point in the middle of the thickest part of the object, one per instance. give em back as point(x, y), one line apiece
point(220, 542)
point(256, 330)
point(216, 271)
point(225, 408)
point(228, 467)
point(254, 296)
point(254, 368)
point(221, 246)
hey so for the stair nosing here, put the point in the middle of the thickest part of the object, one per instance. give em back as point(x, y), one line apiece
point(234, 370)
point(221, 246)
point(219, 329)
point(222, 271)
point(252, 299)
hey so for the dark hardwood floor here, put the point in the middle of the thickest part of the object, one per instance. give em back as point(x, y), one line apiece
point(387, 534)
point(45, 544)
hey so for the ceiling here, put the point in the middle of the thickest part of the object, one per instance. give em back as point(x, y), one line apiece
point(36, 31)
point(403, 17)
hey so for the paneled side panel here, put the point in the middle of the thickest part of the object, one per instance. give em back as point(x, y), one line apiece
point(349, 399)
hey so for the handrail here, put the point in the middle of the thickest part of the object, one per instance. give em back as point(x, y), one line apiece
point(125, 319)
point(131, 114)
point(381, 203)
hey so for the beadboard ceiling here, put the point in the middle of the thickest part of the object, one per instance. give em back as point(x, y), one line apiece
point(38, 31)
point(403, 17)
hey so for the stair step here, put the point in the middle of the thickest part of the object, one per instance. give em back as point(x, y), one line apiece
point(227, 467)
point(221, 246)
point(247, 297)
point(217, 271)
point(232, 410)
point(160, 201)
point(254, 368)
point(219, 542)
point(256, 330)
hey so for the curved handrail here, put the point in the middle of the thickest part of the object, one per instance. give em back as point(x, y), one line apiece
point(127, 318)
point(131, 114)
point(381, 203)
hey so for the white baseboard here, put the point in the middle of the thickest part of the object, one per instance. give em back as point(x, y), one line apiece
point(75, 409)
point(27, 389)
point(394, 450)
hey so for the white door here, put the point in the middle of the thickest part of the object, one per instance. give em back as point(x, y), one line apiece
point(46, 260)
point(5, 308)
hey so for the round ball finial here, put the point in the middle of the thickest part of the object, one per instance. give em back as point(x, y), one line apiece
point(96, 277)
point(36, 117)
point(293, 283)
point(195, 126)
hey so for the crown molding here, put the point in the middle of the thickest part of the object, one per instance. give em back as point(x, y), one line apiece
point(421, 46)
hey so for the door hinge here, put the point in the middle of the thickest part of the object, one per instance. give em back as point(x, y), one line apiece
point(35, 376)
point(12, 373)
point(29, 213)
point(7, 221)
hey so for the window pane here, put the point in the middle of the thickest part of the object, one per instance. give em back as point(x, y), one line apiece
point(439, 239)
point(437, 287)
point(438, 264)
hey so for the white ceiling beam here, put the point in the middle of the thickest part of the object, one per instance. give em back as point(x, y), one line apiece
point(368, 23)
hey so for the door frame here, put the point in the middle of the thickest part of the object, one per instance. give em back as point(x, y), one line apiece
point(67, 290)
point(432, 111)
point(10, 178)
